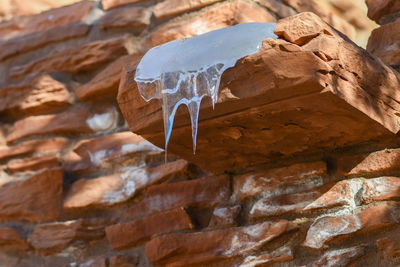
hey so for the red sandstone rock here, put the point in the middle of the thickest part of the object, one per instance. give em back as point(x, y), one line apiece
point(169, 8)
point(34, 96)
point(129, 234)
point(110, 4)
point(295, 178)
point(219, 17)
point(384, 42)
point(389, 247)
point(34, 200)
point(340, 257)
point(102, 151)
point(82, 58)
point(33, 164)
point(210, 246)
point(123, 261)
point(380, 8)
point(136, 18)
point(79, 120)
point(279, 8)
point(208, 191)
point(53, 237)
point(283, 254)
point(345, 222)
point(9, 238)
point(224, 216)
point(32, 146)
point(51, 19)
point(105, 84)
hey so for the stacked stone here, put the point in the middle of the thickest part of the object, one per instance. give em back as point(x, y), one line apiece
point(385, 40)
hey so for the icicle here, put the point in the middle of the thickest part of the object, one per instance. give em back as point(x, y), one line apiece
point(184, 71)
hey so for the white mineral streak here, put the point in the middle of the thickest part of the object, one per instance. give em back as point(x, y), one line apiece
point(103, 122)
point(186, 70)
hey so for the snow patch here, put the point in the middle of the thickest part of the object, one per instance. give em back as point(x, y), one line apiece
point(103, 122)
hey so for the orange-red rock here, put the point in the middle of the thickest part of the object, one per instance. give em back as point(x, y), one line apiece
point(33, 164)
point(183, 249)
point(282, 254)
point(294, 178)
point(129, 234)
point(110, 4)
point(34, 200)
point(34, 96)
point(218, 17)
point(167, 171)
point(277, 7)
point(79, 120)
point(123, 261)
point(347, 221)
point(104, 86)
point(86, 57)
point(389, 247)
point(54, 237)
point(340, 257)
point(380, 8)
point(224, 216)
point(51, 19)
point(169, 8)
point(33, 41)
point(384, 42)
point(136, 18)
point(208, 191)
point(9, 238)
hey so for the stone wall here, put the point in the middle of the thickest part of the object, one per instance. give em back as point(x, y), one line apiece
point(79, 189)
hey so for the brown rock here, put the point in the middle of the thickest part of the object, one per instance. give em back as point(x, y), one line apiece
point(105, 84)
point(389, 247)
point(224, 216)
point(9, 238)
point(34, 96)
point(169, 8)
point(110, 4)
point(219, 17)
point(102, 151)
point(295, 178)
point(51, 19)
point(283, 254)
point(278, 110)
point(33, 164)
point(340, 257)
point(178, 249)
point(380, 8)
point(136, 18)
point(53, 237)
point(384, 42)
point(94, 262)
point(33, 41)
point(34, 200)
point(79, 120)
point(123, 261)
point(72, 60)
point(168, 171)
point(277, 7)
point(32, 146)
point(347, 221)
point(208, 191)
point(129, 234)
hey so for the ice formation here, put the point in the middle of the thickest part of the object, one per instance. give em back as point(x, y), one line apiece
point(186, 70)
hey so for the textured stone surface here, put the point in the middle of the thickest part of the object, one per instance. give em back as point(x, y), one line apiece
point(219, 17)
point(341, 257)
point(76, 121)
point(9, 238)
point(32, 203)
point(124, 235)
point(136, 18)
point(384, 42)
point(110, 4)
point(283, 254)
point(380, 8)
point(278, 8)
point(169, 8)
point(81, 58)
point(105, 84)
point(224, 216)
point(33, 164)
point(51, 19)
point(123, 261)
point(200, 192)
point(389, 247)
point(53, 237)
point(34, 96)
point(284, 110)
point(213, 245)
point(298, 177)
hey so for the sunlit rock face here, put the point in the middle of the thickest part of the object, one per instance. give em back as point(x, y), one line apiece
point(186, 70)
